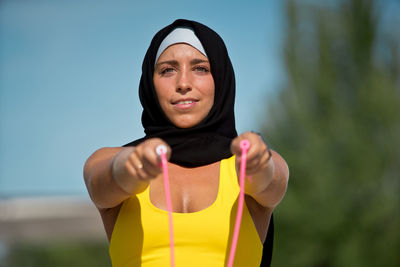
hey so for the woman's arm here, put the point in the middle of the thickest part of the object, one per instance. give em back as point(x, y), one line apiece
point(114, 174)
point(267, 168)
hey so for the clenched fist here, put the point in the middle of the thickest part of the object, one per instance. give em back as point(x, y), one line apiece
point(258, 155)
point(134, 167)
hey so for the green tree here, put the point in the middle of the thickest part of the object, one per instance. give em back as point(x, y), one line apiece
point(337, 123)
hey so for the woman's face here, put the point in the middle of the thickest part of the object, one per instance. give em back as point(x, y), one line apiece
point(184, 85)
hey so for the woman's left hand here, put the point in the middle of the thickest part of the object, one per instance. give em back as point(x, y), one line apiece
point(258, 155)
point(267, 168)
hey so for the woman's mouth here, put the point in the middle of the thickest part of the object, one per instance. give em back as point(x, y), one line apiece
point(185, 104)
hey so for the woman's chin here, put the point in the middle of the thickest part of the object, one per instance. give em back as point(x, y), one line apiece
point(186, 123)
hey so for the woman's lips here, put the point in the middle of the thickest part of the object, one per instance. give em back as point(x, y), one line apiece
point(185, 104)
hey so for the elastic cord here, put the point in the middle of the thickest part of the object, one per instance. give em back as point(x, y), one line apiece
point(161, 151)
point(244, 145)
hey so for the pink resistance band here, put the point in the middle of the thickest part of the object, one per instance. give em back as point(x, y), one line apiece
point(161, 150)
point(244, 146)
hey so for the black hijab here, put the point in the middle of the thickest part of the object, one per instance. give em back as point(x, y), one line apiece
point(210, 140)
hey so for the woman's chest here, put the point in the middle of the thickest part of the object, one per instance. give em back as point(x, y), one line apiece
point(192, 189)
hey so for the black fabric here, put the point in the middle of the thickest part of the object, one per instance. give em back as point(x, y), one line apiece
point(268, 245)
point(209, 141)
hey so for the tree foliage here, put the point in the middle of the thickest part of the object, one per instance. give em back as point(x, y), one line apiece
point(337, 123)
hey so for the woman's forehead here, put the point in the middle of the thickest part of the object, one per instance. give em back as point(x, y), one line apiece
point(181, 51)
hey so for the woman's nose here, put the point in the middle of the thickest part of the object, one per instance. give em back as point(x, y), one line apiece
point(183, 82)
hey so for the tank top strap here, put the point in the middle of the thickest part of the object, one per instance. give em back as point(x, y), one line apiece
point(229, 185)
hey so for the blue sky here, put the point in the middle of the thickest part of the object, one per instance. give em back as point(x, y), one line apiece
point(69, 73)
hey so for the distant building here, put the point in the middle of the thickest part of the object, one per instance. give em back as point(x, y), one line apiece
point(41, 219)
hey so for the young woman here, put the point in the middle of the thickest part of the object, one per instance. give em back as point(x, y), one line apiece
point(187, 91)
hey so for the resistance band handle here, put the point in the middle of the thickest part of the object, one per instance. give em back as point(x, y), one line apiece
point(244, 145)
point(161, 149)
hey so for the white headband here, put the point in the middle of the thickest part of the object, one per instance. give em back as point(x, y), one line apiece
point(180, 35)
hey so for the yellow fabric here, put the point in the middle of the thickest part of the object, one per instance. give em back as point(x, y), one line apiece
point(203, 238)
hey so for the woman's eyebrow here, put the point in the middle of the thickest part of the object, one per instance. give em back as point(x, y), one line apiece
point(198, 60)
point(170, 62)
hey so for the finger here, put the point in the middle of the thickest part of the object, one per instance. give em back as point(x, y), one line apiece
point(142, 174)
point(137, 167)
point(266, 158)
point(150, 162)
point(253, 163)
point(131, 170)
point(262, 163)
point(150, 156)
point(257, 157)
point(257, 144)
point(235, 147)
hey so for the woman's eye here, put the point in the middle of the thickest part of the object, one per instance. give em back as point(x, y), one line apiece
point(167, 70)
point(201, 69)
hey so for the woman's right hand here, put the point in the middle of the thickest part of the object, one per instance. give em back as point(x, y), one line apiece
point(134, 167)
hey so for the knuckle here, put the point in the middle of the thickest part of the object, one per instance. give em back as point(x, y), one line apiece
point(141, 175)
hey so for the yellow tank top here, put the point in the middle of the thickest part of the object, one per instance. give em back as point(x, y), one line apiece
point(203, 238)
